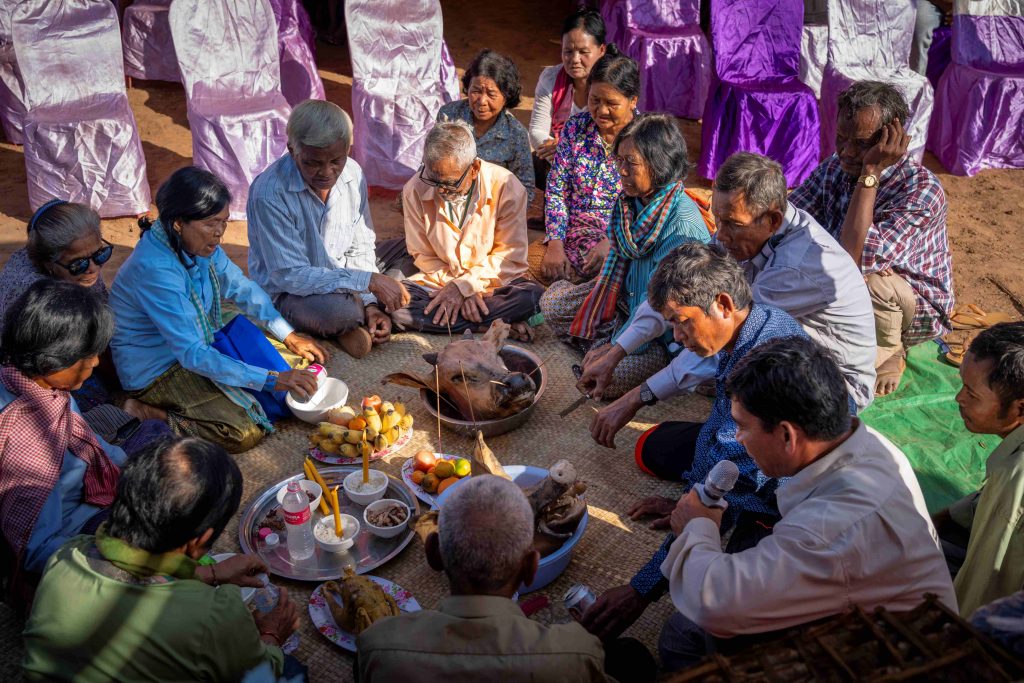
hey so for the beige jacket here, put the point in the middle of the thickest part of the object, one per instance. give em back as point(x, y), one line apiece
point(488, 253)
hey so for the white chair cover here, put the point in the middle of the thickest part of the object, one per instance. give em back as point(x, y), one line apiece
point(870, 40)
point(396, 90)
point(230, 65)
point(813, 56)
point(148, 46)
point(12, 90)
point(300, 80)
point(81, 143)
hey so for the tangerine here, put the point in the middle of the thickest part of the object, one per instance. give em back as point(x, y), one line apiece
point(417, 477)
point(357, 423)
point(445, 484)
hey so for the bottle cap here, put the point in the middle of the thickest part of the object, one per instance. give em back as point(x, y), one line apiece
point(272, 540)
point(264, 532)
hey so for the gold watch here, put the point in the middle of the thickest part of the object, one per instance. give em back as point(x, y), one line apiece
point(870, 180)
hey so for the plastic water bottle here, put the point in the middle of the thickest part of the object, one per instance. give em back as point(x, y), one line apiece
point(297, 518)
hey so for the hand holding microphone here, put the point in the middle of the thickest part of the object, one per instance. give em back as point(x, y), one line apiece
point(707, 499)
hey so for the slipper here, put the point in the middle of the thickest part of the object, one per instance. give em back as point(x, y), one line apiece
point(971, 317)
point(958, 349)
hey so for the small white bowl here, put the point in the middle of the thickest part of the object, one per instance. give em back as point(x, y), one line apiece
point(349, 530)
point(306, 485)
point(386, 531)
point(368, 496)
point(332, 394)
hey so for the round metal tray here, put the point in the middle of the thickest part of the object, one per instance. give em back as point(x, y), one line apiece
point(368, 552)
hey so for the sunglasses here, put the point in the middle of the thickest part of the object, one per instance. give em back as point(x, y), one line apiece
point(80, 265)
point(441, 184)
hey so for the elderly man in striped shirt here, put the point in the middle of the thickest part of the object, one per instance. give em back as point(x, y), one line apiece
point(311, 238)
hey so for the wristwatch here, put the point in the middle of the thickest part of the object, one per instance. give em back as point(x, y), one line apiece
point(647, 396)
point(868, 180)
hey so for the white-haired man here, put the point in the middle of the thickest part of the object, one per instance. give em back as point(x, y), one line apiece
point(465, 228)
point(311, 239)
point(484, 544)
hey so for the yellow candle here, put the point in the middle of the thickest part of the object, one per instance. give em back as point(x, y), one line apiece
point(337, 514)
point(366, 465)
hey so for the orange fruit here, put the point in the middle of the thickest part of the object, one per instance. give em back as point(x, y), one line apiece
point(417, 477)
point(445, 484)
point(429, 483)
point(357, 423)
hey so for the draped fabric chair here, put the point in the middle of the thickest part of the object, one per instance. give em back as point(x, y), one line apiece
point(148, 46)
point(230, 64)
point(451, 88)
point(614, 14)
point(396, 48)
point(665, 39)
point(813, 55)
point(869, 40)
point(940, 54)
point(758, 103)
point(300, 80)
point(81, 143)
point(12, 89)
point(979, 104)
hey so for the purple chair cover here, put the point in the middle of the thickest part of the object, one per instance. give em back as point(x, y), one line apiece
point(148, 46)
point(665, 39)
point(758, 103)
point(396, 90)
point(451, 89)
point(813, 56)
point(940, 54)
point(81, 143)
point(300, 80)
point(979, 103)
point(614, 14)
point(12, 90)
point(230, 64)
point(870, 40)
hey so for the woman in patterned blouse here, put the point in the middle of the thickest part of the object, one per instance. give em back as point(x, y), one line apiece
point(492, 89)
point(584, 182)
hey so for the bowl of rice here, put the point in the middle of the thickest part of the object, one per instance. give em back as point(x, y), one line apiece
point(323, 532)
point(362, 493)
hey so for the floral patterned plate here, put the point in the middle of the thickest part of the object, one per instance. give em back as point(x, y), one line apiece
point(332, 459)
point(409, 466)
point(322, 618)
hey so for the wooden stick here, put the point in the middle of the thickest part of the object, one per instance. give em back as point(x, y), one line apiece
point(1006, 290)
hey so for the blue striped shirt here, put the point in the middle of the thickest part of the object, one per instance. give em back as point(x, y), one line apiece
point(300, 245)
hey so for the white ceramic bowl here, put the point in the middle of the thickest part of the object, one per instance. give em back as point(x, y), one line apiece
point(248, 592)
point(349, 530)
point(306, 485)
point(333, 394)
point(385, 531)
point(369, 495)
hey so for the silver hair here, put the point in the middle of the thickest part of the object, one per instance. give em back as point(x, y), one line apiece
point(318, 123)
point(450, 140)
point(759, 179)
point(56, 228)
point(485, 528)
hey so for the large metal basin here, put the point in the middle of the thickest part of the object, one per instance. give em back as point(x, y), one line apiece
point(517, 359)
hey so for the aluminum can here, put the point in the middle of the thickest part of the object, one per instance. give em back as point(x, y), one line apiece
point(578, 599)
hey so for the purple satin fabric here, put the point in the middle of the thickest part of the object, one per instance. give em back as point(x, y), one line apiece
point(870, 40)
point(675, 70)
point(450, 86)
point(991, 43)
point(230, 64)
point(395, 46)
point(614, 14)
point(661, 15)
point(940, 53)
point(300, 80)
point(148, 46)
point(12, 90)
point(758, 104)
point(81, 143)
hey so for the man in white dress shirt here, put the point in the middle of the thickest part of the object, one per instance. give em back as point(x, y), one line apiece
point(854, 528)
point(790, 262)
point(311, 239)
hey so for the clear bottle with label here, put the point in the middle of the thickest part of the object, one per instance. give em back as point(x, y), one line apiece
point(297, 518)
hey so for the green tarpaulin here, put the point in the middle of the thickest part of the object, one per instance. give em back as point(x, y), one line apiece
point(922, 418)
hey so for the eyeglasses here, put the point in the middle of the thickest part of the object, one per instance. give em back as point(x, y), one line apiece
point(442, 184)
point(80, 265)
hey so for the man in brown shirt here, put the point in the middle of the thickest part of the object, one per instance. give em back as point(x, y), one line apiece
point(484, 545)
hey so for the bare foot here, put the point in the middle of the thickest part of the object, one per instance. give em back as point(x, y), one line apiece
point(143, 411)
point(521, 332)
point(889, 374)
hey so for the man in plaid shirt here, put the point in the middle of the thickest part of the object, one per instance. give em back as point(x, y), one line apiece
point(889, 212)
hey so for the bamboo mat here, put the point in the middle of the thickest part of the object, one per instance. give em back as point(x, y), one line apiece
point(608, 555)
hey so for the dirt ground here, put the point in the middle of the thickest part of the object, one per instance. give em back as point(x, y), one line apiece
point(986, 218)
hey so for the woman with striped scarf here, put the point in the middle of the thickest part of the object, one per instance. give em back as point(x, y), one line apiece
point(167, 303)
point(651, 217)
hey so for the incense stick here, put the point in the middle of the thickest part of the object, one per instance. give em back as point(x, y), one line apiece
point(437, 392)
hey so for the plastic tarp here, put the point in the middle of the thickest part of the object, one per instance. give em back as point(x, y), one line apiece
point(12, 90)
point(870, 40)
point(923, 419)
point(81, 143)
point(758, 103)
point(230, 65)
point(300, 80)
point(148, 46)
point(979, 108)
point(396, 50)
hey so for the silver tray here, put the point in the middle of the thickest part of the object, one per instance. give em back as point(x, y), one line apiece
point(368, 552)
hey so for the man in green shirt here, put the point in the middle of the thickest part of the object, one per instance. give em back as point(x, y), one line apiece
point(983, 530)
point(132, 604)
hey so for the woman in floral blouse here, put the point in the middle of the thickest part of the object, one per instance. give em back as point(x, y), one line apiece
point(584, 182)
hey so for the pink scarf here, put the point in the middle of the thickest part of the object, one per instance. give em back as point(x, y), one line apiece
point(561, 102)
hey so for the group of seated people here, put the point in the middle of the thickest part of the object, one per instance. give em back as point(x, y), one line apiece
point(793, 310)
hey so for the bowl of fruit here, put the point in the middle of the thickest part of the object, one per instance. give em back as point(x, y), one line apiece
point(379, 428)
point(429, 474)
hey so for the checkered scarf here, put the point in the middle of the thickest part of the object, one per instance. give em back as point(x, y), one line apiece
point(632, 237)
point(36, 429)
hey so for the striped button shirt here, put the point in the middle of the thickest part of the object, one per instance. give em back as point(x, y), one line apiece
point(908, 234)
point(300, 245)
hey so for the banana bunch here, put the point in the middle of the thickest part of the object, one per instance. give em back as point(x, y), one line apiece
point(352, 434)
